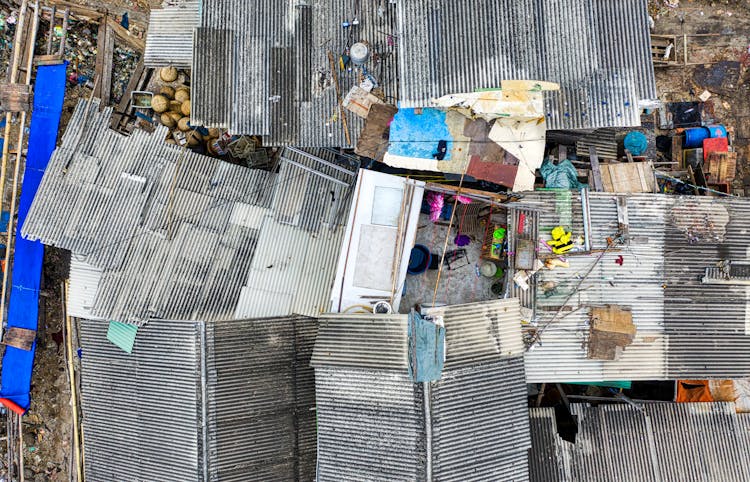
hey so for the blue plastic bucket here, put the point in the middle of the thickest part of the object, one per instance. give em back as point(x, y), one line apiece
point(695, 136)
point(419, 260)
point(717, 130)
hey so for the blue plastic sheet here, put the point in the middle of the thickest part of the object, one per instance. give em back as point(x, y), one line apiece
point(23, 307)
point(418, 135)
point(426, 349)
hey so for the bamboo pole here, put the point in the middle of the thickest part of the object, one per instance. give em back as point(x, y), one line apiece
point(21, 476)
point(73, 387)
point(17, 164)
point(18, 40)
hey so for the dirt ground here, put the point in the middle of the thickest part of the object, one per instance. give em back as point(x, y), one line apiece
point(718, 41)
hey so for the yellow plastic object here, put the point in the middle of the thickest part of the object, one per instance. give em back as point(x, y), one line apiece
point(558, 232)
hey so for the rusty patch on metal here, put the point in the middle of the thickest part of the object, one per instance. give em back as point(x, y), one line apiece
point(699, 222)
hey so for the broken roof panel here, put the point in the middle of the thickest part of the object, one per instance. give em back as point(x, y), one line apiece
point(280, 84)
point(684, 328)
point(662, 441)
point(604, 69)
point(176, 233)
point(170, 34)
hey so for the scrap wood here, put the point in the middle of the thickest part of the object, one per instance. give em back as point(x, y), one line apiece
point(15, 97)
point(611, 330)
point(342, 112)
point(20, 338)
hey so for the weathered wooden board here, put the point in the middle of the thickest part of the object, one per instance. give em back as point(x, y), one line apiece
point(628, 177)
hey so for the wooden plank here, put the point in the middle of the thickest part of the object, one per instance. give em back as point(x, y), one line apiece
point(15, 97)
point(101, 39)
point(622, 215)
point(51, 33)
point(611, 330)
point(109, 53)
point(20, 338)
point(125, 36)
point(64, 39)
point(595, 169)
point(629, 155)
point(642, 176)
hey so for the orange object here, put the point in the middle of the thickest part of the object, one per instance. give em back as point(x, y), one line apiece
point(12, 406)
point(693, 391)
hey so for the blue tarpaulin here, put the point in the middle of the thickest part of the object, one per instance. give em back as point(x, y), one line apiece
point(426, 349)
point(23, 307)
point(417, 135)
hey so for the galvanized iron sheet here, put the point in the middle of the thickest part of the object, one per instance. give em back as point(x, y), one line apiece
point(229, 401)
point(685, 329)
point(668, 442)
point(177, 234)
point(597, 50)
point(477, 332)
point(480, 425)
point(281, 83)
point(375, 423)
point(362, 341)
point(170, 34)
point(135, 405)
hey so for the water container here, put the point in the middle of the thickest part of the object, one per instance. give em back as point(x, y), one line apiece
point(694, 137)
point(717, 130)
point(359, 53)
point(419, 260)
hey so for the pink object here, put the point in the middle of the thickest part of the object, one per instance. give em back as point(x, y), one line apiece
point(436, 202)
point(463, 199)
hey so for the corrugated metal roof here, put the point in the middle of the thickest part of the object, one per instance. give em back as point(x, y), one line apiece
point(685, 329)
point(362, 341)
point(169, 40)
point(177, 234)
point(476, 332)
point(278, 80)
point(480, 425)
point(597, 50)
point(261, 400)
point(148, 416)
point(136, 405)
point(374, 423)
point(370, 425)
point(664, 442)
point(83, 285)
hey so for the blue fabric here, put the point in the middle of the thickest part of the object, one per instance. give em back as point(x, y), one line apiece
point(426, 349)
point(23, 307)
point(417, 135)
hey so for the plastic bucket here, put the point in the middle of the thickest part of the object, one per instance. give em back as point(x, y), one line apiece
point(419, 260)
point(694, 137)
point(717, 130)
